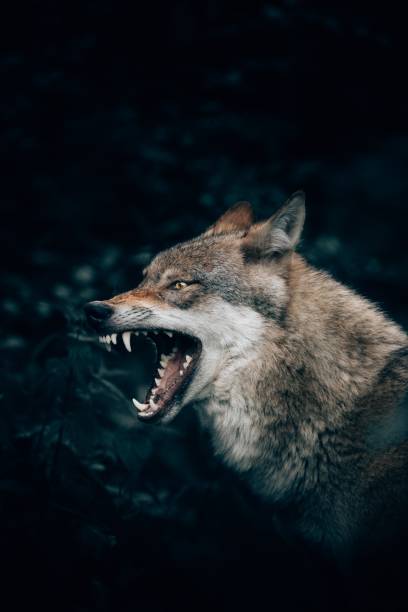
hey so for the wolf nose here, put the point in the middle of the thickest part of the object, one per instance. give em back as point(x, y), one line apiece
point(97, 312)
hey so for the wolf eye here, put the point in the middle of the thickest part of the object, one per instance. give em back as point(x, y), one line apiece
point(179, 285)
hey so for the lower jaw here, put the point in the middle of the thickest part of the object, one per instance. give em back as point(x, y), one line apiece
point(159, 410)
point(165, 415)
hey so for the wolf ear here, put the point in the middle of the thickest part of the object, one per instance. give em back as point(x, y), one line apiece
point(280, 233)
point(237, 218)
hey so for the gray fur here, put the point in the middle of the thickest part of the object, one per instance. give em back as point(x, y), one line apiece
point(306, 376)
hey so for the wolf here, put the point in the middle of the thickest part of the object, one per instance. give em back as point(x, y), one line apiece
point(300, 382)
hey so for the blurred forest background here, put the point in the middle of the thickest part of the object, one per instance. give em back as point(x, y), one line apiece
point(126, 128)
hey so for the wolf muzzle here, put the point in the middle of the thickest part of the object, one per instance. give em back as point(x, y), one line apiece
point(97, 313)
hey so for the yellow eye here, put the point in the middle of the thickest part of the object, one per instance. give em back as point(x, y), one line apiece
point(180, 285)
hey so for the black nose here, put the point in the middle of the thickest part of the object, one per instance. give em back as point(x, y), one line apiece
point(97, 311)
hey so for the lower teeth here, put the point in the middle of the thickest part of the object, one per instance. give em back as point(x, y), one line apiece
point(139, 406)
point(168, 378)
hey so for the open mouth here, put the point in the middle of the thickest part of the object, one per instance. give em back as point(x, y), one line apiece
point(176, 361)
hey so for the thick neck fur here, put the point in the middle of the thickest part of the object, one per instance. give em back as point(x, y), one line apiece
point(280, 413)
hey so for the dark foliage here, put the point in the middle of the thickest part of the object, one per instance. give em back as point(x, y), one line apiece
point(124, 132)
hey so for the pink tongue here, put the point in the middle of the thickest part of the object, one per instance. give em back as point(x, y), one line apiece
point(171, 379)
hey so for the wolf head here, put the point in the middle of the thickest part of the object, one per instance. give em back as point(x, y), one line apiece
point(206, 303)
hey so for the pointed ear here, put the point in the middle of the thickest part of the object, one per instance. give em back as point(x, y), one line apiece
point(237, 218)
point(280, 233)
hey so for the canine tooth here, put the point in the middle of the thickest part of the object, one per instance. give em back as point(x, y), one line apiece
point(114, 338)
point(170, 334)
point(157, 381)
point(139, 406)
point(108, 347)
point(126, 340)
point(188, 359)
point(161, 372)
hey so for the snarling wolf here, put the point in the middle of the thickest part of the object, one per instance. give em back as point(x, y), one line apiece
point(300, 381)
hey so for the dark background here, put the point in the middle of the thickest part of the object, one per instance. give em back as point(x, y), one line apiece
point(125, 128)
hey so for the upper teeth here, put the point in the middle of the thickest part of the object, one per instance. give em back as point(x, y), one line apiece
point(126, 340)
point(169, 333)
point(107, 340)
